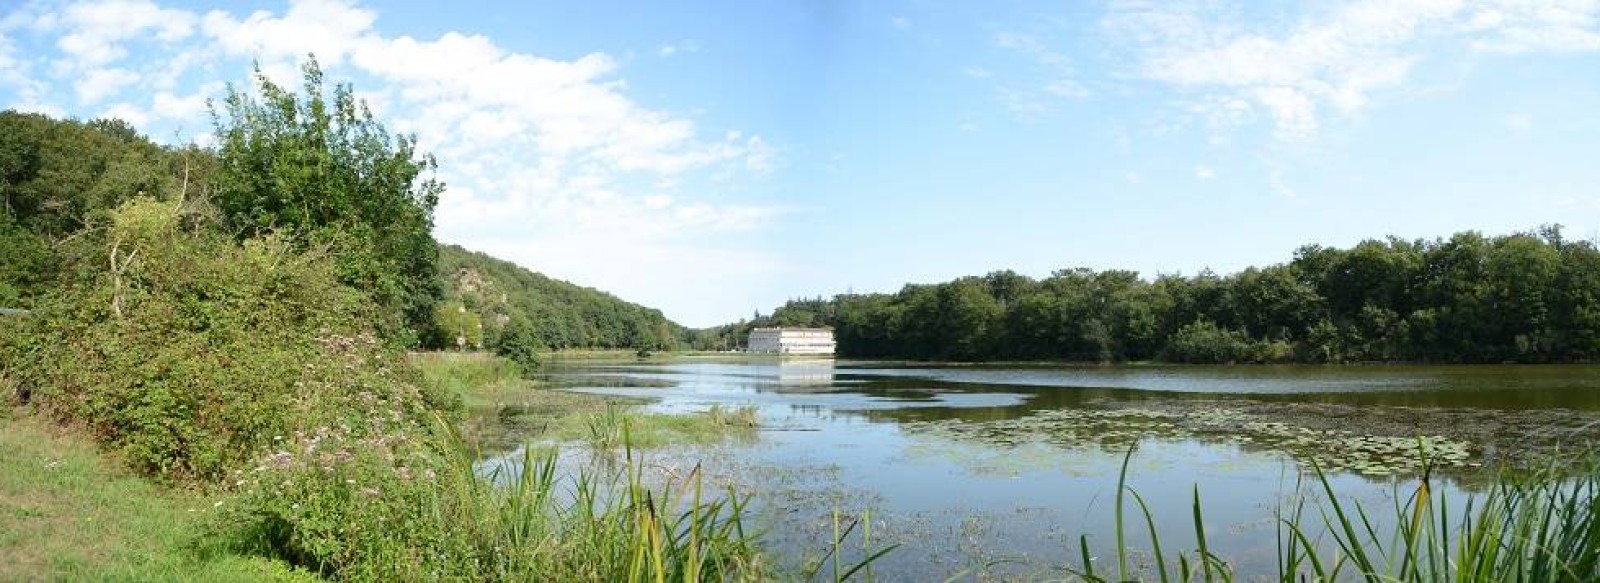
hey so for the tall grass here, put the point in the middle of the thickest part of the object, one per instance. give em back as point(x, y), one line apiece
point(608, 527)
point(466, 373)
point(535, 520)
point(1540, 527)
point(743, 416)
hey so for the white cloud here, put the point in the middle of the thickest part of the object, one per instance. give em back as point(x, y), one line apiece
point(977, 72)
point(900, 22)
point(185, 108)
point(1335, 57)
point(683, 47)
point(97, 30)
point(1056, 79)
point(49, 109)
point(99, 84)
point(761, 156)
point(329, 28)
point(12, 71)
point(127, 112)
point(1204, 172)
point(1512, 26)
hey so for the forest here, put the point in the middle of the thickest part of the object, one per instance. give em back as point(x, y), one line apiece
point(485, 298)
point(1529, 297)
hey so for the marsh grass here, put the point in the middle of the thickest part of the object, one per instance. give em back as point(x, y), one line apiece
point(833, 561)
point(603, 526)
point(1529, 527)
point(536, 519)
point(744, 416)
point(479, 377)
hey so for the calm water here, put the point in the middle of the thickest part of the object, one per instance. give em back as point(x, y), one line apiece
point(869, 437)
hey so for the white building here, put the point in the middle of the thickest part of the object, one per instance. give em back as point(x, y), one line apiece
point(792, 340)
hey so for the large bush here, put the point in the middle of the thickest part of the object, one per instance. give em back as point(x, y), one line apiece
point(519, 343)
point(1203, 342)
point(191, 353)
point(321, 169)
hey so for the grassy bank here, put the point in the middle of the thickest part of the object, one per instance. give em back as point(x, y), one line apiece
point(350, 508)
point(67, 512)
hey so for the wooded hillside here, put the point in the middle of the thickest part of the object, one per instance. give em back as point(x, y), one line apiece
point(485, 297)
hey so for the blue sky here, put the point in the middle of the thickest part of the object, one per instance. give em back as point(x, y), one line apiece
point(713, 159)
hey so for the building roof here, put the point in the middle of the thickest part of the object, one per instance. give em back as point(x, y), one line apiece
point(786, 329)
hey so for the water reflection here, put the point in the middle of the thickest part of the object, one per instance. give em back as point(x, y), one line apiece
point(998, 479)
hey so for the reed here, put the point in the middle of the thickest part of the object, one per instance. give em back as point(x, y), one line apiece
point(1529, 527)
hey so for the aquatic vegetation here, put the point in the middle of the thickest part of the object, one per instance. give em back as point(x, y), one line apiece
point(1333, 450)
point(1373, 455)
point(838, 544)
point(744, 416)
point(1540, 528)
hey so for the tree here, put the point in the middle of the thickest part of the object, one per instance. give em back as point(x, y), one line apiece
point(322, 169)
point(58, 176)
point(519, 343)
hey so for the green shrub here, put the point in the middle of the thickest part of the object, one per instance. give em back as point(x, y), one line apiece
point(30, 263)
point(519, 343)
point(190, 353)
point(1203, 342)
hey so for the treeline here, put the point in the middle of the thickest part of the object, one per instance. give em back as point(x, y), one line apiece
point(795, 313)
point(1525, 297)
point(487, 298)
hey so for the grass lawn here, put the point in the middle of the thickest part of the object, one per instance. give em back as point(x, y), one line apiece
point(67, 512)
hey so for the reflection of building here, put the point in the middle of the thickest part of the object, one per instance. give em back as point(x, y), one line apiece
point(805, 371)
point(792, 340)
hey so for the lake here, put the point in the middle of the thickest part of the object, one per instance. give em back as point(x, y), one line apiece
point(995, 471)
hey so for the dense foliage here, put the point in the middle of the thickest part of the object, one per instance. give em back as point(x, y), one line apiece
point(60, 180)
point(193, 353)
point(322, 170)
point(58, 177)
point(490, 302)
point(1524, 297)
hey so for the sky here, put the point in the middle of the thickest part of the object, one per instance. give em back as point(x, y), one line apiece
point(714, 159)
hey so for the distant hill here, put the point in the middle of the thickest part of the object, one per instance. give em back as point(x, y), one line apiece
point(481, 290)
